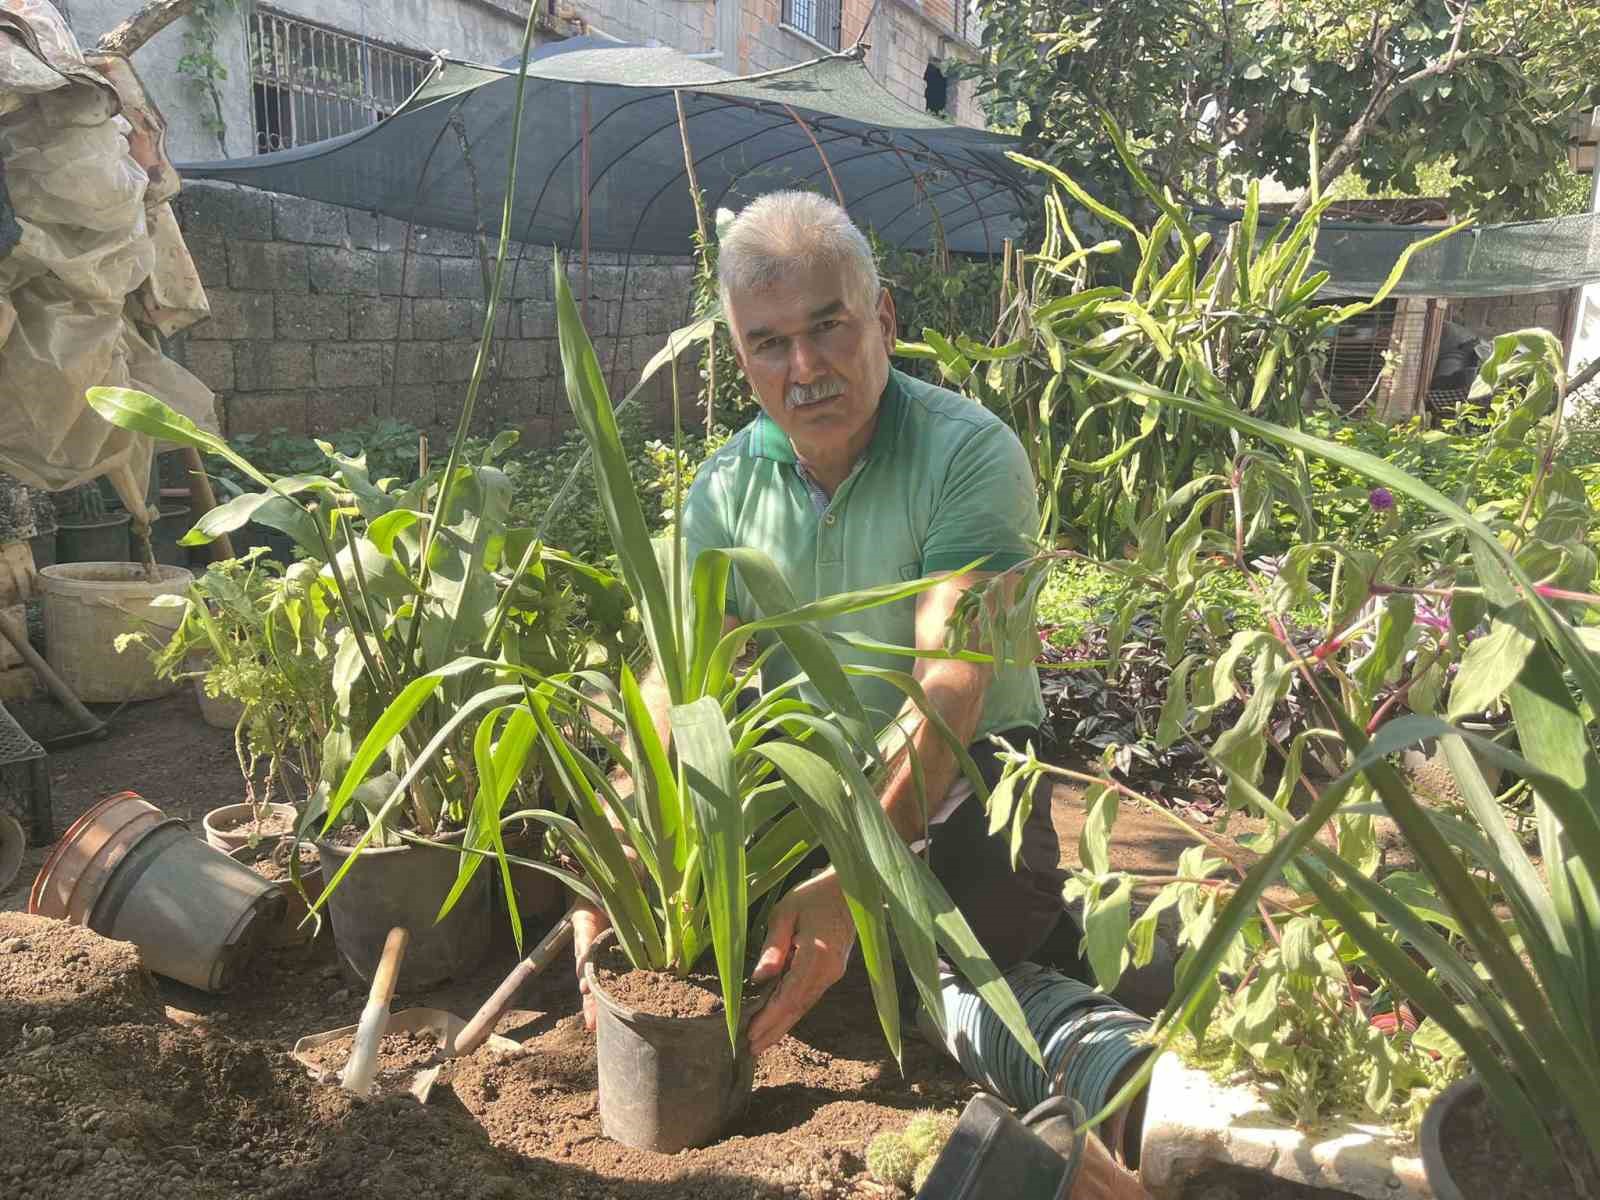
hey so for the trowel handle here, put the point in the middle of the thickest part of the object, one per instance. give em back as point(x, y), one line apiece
point(477, 1030)
point(388, 972)
point(363, 1063)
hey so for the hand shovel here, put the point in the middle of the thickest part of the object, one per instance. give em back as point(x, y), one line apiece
point(455, 1038)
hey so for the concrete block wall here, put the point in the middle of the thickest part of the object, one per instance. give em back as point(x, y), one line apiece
point(1494, 315)
point(321, 321)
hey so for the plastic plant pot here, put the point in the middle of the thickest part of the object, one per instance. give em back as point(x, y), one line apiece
point(404, 886)
point(130, 873)
point(232, 826)
point(668, 1083)
point(108, 540)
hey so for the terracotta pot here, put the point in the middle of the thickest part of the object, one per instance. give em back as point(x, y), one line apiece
point(229, 827)
point(130, 873)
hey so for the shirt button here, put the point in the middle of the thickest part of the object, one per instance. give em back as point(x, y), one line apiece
point(830, 518)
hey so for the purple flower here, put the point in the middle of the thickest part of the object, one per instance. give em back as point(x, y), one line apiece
point(1381, 499)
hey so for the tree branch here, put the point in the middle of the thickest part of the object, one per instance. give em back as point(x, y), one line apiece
point(1387, 89)
point(138, 29)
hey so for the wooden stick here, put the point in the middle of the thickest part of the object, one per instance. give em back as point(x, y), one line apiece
point(477, 1030)
point(87, 721)
point(204, 500)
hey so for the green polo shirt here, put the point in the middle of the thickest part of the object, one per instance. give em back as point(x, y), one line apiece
point(944, 482)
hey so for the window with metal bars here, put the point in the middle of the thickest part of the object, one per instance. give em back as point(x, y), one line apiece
point(819, 19)
point(312, 83)
point(1357, 355)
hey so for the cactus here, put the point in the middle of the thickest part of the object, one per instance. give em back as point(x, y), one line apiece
point(891, 1161)
point(919, 1177)
point(926, 1133)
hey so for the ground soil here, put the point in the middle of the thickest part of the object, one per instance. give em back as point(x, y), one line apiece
point(65, 978)
point(141, 1088)
point(1479, 1149)
point(400, 1057)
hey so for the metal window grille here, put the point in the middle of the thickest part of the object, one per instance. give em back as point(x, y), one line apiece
point(819, 19)
point(1357, 355)
point(312, 83)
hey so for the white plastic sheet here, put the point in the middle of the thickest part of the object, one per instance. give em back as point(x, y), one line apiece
point(100, 268)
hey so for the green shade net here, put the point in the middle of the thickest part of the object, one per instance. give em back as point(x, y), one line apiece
point(1487, 260)
point(441, 159)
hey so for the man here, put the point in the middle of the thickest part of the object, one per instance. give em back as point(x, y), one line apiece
point(855, 475)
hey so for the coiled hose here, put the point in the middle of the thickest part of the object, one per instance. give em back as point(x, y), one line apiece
point(1088, 1041)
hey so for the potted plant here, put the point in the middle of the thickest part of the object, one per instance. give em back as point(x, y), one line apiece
point(259, 654)
point(720, 814)
point(88, 529)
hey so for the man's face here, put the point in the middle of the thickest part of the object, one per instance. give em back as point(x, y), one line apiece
point(816, 357)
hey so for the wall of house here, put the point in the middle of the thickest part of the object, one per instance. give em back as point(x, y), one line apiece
point(1494, 315)
point(749, 36)
point(481, 30)
point(321, 322)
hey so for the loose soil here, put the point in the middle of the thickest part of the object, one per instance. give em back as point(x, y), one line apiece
point(400, 1057)
point(265, 863)
point(659, 993)
point(1478, 1149)
point(60, 978)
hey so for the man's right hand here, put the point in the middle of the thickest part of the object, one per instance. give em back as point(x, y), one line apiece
point(588, 923)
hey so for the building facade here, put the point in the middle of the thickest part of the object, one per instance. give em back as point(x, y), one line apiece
point(240, 77)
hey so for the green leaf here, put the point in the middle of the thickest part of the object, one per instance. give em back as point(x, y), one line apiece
point(1490, 666)
point(705, 748)
point(1105, 933)
point(619, 502)
point(1093, 840)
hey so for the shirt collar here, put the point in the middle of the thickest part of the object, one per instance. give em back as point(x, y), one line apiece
point(770, 442)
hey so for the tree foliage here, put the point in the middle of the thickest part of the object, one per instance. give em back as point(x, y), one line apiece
point(1214, 91)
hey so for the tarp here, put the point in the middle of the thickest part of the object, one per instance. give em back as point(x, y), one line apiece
point(1484, 260)
point(441, 159)
point(97, 267)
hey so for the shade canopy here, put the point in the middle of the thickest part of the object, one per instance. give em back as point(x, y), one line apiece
point(604, 113)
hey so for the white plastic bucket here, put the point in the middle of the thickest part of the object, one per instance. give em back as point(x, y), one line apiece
point(87, 606)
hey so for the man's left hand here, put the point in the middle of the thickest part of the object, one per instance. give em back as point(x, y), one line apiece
point(812, 933)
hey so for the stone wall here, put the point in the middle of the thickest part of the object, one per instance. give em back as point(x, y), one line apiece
point(321, 321)
point(1494, 315)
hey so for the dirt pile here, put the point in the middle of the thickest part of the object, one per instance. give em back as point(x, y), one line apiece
point(64, 978)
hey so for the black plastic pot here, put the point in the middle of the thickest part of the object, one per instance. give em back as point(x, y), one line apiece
point(404, 886)
point(107, 540)
point(994, 1156)
point(1432, 1136)
point(668, 1083)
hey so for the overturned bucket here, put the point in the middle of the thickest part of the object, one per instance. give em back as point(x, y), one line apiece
point(128, 872)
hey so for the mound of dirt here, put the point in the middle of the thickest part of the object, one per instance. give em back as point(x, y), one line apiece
point(66, 978)
point(138, 1110)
